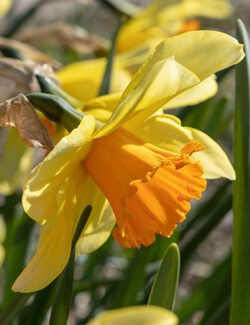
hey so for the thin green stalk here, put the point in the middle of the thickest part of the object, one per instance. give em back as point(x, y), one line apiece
point(105, 86)
point(20, 20)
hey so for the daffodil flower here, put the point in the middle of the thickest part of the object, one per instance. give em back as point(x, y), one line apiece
point(136, 38)
point(146, 315)
point(161, 19)
point(144, 163)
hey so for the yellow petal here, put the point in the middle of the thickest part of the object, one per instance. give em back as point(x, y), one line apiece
point(138, 315)
point(207, 8)
point(40, 191)
point(101, 221)
point(55, 243)
point(213, 159)
point(203, 52)
point(152, 87)
point(102, 107)
point(83, 79)
point(15, 163)
point(76, 191)
point(166, 133)
point(194, 95)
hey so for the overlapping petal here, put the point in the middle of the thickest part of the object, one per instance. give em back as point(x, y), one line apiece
point(40, 193)
point(213, 52)
point(166, 132)
point(194, 95)
point(173, 67)
point(55, 241)
point(63, 199)
point(101, 221)
point(152, 87)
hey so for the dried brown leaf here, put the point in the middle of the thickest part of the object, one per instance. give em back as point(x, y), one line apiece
point(18, 112)
point(64, 35)
point(28, 51)
point(23, 73)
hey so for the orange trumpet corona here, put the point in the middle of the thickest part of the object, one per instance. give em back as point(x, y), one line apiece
point(148, 188)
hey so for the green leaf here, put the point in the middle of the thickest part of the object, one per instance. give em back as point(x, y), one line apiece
point(60, 310)
point(36, 311)
point(240, 305)
point(165, 284)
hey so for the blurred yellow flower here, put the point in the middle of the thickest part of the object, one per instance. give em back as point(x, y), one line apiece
point(5, 6)
point(164, 18)
point(138, 315)
point(147, 165)
point(83, 79)
point(136, 38)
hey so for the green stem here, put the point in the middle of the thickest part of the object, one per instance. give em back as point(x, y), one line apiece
point(20, 20)
point(105, 86)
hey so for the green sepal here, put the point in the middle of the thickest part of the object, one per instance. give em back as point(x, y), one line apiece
point(56, 109)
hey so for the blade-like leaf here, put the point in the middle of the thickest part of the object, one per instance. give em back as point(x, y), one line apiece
point(241, 229)
point(165, 284)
